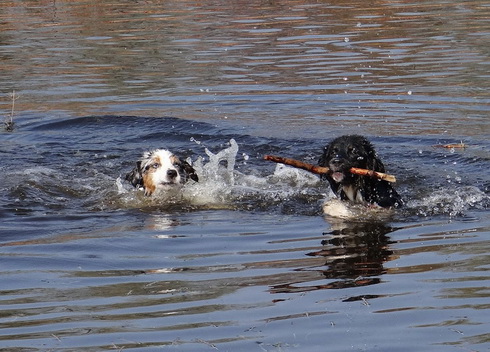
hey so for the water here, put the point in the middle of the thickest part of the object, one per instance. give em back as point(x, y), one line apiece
point(244, 259)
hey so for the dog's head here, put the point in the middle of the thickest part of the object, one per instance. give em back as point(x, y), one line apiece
point(160, 170)
point(346, 152)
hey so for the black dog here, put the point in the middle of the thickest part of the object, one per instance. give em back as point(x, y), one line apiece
point(350, 151)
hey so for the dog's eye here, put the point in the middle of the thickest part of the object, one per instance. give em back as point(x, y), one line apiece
point(153, 166)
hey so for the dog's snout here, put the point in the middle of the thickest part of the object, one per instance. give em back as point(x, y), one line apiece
point(172, 173)
point(336, 161)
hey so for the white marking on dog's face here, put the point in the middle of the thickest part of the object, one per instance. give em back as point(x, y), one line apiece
point(160, 170)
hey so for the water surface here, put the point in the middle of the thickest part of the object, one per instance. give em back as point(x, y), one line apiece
point(245, 259)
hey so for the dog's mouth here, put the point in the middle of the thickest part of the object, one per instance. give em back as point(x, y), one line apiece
point(338, 176)
point(339, 171)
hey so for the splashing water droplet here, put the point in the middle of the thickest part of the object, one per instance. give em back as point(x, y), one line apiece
point(192, 139)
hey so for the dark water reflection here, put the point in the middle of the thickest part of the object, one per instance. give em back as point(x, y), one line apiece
point(354, 256)
point(245, 261)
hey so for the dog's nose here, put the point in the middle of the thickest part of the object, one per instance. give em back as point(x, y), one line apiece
point(336, 161)
point(172, 173)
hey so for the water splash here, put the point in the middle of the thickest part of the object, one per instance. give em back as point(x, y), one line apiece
point(450, 201)
point(216, 177)
point(222, 185)
point(285, 189)
point(228, 179)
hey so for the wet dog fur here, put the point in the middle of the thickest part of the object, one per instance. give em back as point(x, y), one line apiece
point(349, 151)
point(159, 171)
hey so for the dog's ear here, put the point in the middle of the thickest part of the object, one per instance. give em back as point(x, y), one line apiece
point(323, 161)
point(378, 165)
point(189, 171)
point(135, 177)
point(373, 161)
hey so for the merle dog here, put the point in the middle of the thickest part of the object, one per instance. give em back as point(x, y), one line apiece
point(356, 151)
point(160, 171)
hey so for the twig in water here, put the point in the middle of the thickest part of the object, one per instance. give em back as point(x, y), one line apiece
point(9, 120)
point(451, 146)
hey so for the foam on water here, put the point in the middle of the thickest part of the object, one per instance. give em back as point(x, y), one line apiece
point(222, 185)
point(454, 201)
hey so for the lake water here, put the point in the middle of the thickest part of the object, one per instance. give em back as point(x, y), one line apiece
point(244, 260)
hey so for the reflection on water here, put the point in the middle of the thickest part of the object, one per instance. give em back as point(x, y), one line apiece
point(140, 286)
point(419, 67)
point(245, 260)
point(246, 249)
point(354, 255)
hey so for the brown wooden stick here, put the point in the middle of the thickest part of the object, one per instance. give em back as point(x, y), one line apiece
point(325, 170)
point(451, 146)
point(372, 173)
point(299, 164)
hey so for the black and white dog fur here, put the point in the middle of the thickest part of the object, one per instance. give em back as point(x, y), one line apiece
point(160, 170)
point(350, 151)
